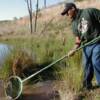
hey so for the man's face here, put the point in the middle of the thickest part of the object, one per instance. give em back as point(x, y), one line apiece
point(71, 13)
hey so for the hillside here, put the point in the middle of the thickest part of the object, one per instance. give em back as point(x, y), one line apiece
point(53, 39)
point(54, 11)
point(45, 18)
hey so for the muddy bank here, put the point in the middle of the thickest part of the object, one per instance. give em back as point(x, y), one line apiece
point(2, 91)
point(41, 91)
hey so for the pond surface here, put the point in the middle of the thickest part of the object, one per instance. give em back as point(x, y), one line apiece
point(4, 51)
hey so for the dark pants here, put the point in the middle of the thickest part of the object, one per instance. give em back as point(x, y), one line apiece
point(91, 57)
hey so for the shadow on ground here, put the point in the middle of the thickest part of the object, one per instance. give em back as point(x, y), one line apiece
point(42, 92)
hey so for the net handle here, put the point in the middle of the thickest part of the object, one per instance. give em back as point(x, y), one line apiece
point(63, 57)
point(21, 81)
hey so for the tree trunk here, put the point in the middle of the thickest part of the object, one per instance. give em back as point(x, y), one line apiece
point(35, 26)
point(45, 3)
point(29, 6)
point(31, 25)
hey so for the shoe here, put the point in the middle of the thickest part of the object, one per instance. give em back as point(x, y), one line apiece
point(87, 88)
point(96, 86)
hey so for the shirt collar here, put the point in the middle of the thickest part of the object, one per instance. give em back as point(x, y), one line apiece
point(78, 14)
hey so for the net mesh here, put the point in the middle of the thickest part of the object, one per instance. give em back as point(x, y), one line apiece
point(13, 87)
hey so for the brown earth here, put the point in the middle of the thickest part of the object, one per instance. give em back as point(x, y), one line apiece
point(42, 91)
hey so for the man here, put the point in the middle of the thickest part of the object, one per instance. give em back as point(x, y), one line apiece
point(86, 27)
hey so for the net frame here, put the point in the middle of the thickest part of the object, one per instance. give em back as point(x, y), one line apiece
point(6, 86)
point(65, 56)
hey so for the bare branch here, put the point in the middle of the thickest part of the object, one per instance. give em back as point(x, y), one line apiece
point(29, 7)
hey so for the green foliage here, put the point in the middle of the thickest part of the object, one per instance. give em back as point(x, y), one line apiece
point(48, 50)
point(54, 43)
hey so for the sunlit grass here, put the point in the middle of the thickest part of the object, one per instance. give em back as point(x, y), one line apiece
point(50, 49)
point(47, 48)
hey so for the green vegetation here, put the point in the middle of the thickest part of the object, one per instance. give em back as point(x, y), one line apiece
point(40, 49)
point(56, 41)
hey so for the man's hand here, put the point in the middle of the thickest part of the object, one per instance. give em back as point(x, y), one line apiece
point(71, 52)
point(77, 45)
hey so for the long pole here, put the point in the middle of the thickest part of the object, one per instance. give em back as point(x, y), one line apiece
point(65, 56)
point(21, 81)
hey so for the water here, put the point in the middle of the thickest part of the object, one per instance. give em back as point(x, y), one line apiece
point(4, 51)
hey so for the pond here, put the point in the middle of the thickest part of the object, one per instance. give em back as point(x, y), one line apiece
point(4, 51)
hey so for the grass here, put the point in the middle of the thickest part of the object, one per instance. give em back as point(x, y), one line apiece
point(45, 48)
point(49, 49)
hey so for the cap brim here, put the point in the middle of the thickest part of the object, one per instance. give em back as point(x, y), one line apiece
point(64, 11)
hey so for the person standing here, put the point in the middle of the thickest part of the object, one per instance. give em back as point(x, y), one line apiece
point(86, 27)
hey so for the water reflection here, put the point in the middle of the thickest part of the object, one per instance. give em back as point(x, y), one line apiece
point(4, 51)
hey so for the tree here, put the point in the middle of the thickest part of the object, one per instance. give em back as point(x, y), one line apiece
point(15, 18)
point(29, 6)
point(35, 26)
point(45, 3)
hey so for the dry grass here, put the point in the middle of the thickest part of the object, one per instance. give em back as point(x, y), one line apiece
point(54, 11)
point(89, 3)
point(21, 26)
point(45, 49)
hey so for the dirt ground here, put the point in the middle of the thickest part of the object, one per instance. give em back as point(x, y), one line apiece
point(42, 91)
